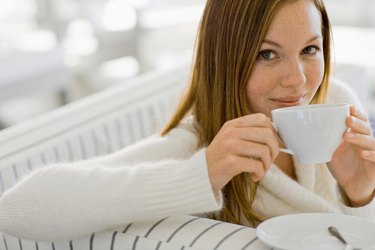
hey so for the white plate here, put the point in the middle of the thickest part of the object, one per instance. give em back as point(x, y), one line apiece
point(309, 231)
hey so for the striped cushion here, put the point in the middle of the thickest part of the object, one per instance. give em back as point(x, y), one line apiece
point(178, 232)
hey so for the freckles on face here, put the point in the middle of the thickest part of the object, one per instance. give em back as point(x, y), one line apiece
point(290, 64)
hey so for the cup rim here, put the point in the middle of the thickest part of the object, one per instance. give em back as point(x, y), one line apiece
point(309, 107)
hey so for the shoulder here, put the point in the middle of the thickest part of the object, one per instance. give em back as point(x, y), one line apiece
point(339, 92)
point(189, 124)
point(186, 132)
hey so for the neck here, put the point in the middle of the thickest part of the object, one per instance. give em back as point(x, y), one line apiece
point(285, 163)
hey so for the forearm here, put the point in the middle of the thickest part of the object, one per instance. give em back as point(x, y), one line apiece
point(179, 143)
point(63, 202)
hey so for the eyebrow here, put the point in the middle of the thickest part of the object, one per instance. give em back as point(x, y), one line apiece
point(278, 45)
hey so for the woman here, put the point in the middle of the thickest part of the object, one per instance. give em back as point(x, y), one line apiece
point(219, 154)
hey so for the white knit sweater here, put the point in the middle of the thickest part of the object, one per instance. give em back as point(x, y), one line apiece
point(157, 177)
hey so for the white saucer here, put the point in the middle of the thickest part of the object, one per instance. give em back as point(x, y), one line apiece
point(309, 231)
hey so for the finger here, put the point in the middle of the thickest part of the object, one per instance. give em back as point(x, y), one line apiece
point(358, 125)
point(254, 150)
point(357, 113)
point(364, 141)
point(265, 136)
point(247, 164)
point(368, 155)
point(263, 154)
point(252, 166)
point(253, 120)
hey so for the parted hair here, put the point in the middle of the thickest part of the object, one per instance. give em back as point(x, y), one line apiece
point(229, 38)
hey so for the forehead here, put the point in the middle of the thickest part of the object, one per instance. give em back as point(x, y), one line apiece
point(296, 18)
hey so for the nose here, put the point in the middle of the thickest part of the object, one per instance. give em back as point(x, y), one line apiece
point(293, 74)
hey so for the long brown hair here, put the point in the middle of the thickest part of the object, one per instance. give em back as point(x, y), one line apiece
point(230, 35)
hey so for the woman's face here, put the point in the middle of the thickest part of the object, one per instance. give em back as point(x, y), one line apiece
point(290, 64)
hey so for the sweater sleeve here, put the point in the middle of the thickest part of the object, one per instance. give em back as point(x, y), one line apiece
point(179, 143)
point(69, 201)
point(367, 211)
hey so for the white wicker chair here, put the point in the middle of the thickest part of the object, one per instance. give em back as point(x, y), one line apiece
point(97, 125)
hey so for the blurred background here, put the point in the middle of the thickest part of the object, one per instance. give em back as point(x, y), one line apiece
point(53, 52)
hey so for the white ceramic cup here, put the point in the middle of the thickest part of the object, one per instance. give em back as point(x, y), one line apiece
point(311, 132)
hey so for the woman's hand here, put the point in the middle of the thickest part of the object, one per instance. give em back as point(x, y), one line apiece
point(245, 144)
point(353, 163)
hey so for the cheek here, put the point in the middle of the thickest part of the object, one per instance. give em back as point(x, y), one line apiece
point(315, 75)
point(318, 71)
point(257, 89)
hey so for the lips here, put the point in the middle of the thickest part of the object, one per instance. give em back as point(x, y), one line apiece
point(289, 100)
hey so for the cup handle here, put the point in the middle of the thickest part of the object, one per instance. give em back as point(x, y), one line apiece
point(284, 150)
point(287, 151)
